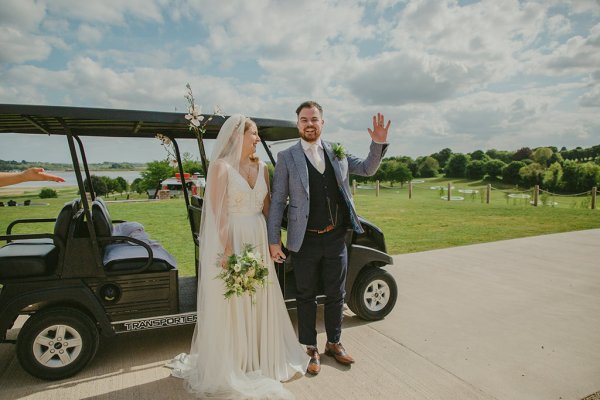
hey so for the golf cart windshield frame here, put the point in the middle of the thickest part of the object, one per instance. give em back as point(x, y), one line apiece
point(76, 122)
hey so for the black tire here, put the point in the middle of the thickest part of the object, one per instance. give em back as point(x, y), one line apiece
point(46, 355)
point(374, 294)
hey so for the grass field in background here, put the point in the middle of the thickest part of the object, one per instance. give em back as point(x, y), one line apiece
point(425, 222)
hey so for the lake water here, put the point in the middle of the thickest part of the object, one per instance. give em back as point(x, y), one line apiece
point(70, 179)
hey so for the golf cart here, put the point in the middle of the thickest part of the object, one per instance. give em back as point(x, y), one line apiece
point(88, 278)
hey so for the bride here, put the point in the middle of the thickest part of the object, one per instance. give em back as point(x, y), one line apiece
point(242, 348)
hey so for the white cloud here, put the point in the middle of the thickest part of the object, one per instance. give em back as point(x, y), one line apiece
point(485, 37)
point(577, 53)
point(584, 6)
point(113, 12)
point(591, 98)
point(17, 46)
point(558, 25)
point(401, 78)
point(23, 14)
point(280, 29)
point(89, 34)
point(463, 75)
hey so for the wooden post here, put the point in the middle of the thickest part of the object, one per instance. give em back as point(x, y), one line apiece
point(410, 190)
point(449, 190)
point(353, 187)
point(536, 195)
point(488, 194)
point(377, 188)
point(594, 190)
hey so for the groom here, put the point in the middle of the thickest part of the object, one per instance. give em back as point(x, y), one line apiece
point(314, 176)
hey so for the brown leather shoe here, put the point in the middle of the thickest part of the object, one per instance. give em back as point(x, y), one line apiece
point(314, 365)
point(337, 351)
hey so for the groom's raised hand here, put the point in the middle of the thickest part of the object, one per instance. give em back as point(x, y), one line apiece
point(379, 132)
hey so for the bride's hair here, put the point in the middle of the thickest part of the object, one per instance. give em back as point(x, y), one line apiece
point(248, 123)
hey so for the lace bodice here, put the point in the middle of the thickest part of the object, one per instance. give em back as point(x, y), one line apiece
point(241, 198)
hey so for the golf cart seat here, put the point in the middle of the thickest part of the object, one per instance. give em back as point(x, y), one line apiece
point(125, 246)
point(35, 255)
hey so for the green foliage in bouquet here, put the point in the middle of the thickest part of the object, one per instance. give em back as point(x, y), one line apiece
point(243, 273)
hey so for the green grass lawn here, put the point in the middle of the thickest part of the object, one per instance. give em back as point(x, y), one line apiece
point(425, 222)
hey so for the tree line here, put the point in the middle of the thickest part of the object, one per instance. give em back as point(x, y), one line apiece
point(560, 171)
point(151, 177)
point(13, 165)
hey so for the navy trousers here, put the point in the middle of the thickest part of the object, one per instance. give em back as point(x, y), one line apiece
point(322, 259)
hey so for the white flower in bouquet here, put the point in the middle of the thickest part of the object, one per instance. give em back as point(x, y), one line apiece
point(243, 273)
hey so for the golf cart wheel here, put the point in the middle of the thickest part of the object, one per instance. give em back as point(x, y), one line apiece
point(374, 294)
point(57, 343)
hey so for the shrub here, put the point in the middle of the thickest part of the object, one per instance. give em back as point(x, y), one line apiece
point(47, 193)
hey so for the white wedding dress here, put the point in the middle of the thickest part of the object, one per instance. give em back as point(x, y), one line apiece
point(241, 349)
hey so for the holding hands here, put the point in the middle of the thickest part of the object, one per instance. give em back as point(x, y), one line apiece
point(379, 132)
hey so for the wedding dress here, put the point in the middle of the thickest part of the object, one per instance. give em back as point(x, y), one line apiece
point(243, 348)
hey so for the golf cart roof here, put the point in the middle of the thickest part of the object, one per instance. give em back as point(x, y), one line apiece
point(83, 121)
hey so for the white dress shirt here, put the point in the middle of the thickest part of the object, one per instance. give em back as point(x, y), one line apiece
point(306, 146)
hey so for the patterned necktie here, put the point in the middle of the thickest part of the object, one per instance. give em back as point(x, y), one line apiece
point(318, 160)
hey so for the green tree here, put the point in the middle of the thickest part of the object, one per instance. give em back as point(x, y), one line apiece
point(428, 167)
point(442, 157)
point(506, 156)
point(556, 158)
point(136, 186)
point(155, 173)
point(532, 174)
point(457, 166)
point(478, 155)
point(570, 176)
point(111, 186)
point(522, 154)
point(475, 169)
point(398, 172)
point(542, 155)
point(510, 172)
point(120, 184)
point(588, 176)
point(493, 168)
point(99, 185)
point(191, 165)
point(553, 177)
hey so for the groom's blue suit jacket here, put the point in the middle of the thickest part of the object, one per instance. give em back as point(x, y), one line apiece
point(291, 181)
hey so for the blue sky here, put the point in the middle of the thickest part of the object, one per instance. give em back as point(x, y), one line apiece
point(465, 75)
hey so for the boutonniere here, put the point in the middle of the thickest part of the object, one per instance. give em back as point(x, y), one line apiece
point(339, 151)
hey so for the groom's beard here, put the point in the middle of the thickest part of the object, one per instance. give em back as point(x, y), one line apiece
point(311, 136)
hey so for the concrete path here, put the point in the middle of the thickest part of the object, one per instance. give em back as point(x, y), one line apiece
point(515, 319)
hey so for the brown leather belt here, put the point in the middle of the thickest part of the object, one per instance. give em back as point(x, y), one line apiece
point(328, 228)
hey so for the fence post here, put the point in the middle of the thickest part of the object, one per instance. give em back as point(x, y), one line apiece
point(449, 190)
point(377, 188)
point(488, 194)
point(536, 195)
point(594, 190)
point(410, 190)
point(353, 187)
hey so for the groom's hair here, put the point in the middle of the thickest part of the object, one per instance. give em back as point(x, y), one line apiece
point(309, 104)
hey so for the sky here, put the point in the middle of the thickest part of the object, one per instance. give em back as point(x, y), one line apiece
point(464, 75)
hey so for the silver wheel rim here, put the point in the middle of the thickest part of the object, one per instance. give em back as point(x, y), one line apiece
point(376, 295)
point(57, 346)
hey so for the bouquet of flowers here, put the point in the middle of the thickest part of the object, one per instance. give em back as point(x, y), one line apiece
point(243, 273)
